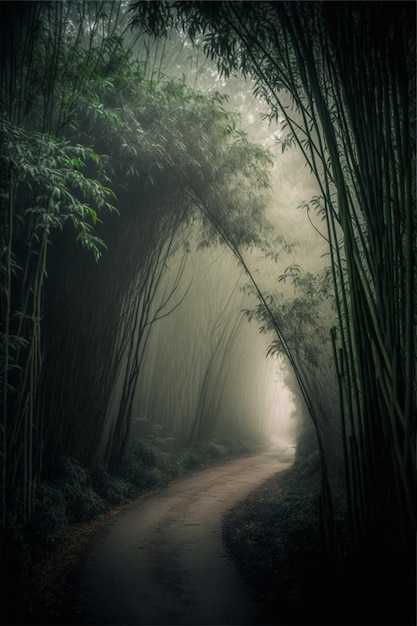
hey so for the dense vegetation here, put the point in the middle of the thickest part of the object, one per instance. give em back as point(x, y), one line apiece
point(297, 50)
point(76, 323)
point(340, 80)
point(103, 186)
point(112, 171)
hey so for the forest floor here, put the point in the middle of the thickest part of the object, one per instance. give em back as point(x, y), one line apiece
point(173, 526)
point(274, 537)
point(38, 561)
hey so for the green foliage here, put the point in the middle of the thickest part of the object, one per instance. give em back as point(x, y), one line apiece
point(50, 520)
point(46, 176)
point(83, 503)
point(165, 181)
point(216, 450)
point(306, 444)
point(83, 122)
point(192, 459)
point(45, 190)
point(156, 458)
point(306, 316)
point(304, 311)
point(84, 118)
point(114, 490)
point(352, 122)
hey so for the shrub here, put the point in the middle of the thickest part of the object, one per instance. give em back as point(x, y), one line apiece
point(152, 460)
point(83, 504)
point(115, 490)
point(69, 470)
point(215, 450)
point(192, 459)
point(147, 452)
point(50, 520)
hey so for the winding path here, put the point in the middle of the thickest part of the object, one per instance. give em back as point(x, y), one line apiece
point(164, 562)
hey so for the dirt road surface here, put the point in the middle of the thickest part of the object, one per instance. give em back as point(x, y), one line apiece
point(164, 562)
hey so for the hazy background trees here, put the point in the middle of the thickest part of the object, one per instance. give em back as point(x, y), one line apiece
point(208, 363)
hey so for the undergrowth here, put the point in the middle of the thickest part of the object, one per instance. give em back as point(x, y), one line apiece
point(274, 537)
point(267, 531)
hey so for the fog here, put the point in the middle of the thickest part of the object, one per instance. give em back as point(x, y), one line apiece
point(205, 371)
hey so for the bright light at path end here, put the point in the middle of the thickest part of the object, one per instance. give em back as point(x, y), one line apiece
point(280, 406)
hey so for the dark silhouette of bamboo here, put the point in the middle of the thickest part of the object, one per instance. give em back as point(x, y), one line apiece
point(35, 84)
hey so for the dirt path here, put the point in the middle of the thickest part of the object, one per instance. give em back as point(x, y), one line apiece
point(164, 562)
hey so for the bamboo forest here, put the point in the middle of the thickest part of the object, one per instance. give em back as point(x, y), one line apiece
point(208, 295)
